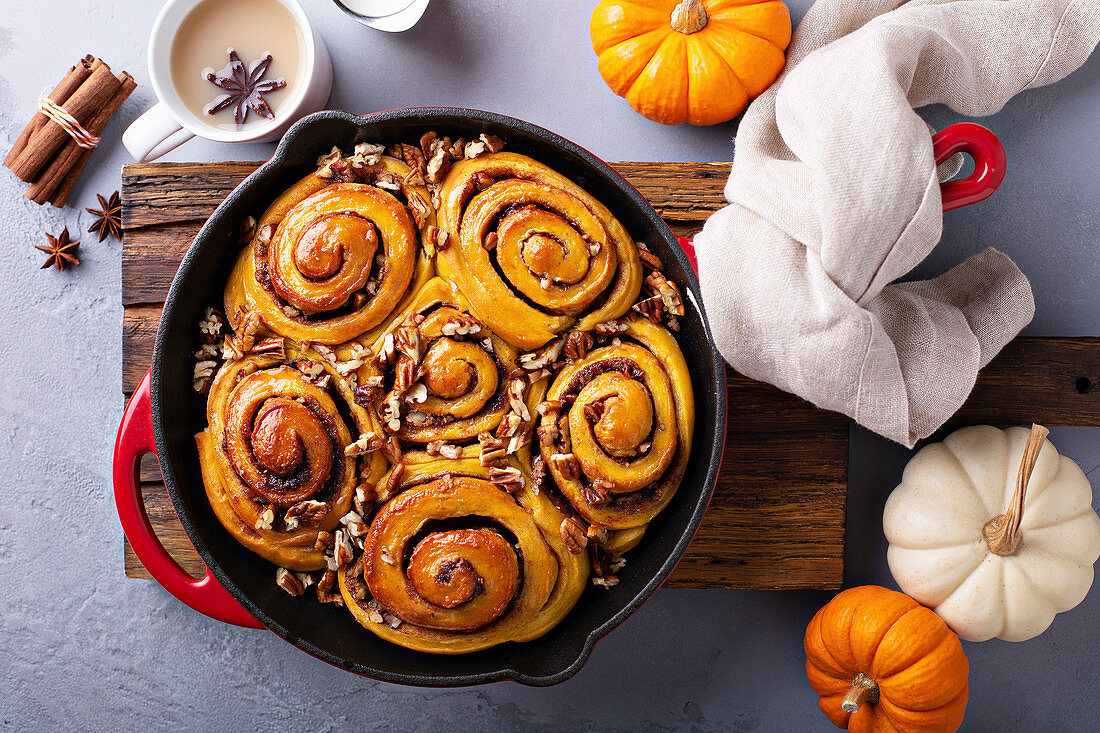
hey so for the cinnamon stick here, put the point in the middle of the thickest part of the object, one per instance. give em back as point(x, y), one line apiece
point(60, 94)
point(57, 181)
point(100, 86)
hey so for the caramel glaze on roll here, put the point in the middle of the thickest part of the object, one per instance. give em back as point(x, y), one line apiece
point(534, 252)
point(453, 564)
point(616, 427)
point(337, 253)
point(275, 455)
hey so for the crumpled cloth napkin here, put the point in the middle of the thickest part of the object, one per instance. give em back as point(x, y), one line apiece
point(833, 196)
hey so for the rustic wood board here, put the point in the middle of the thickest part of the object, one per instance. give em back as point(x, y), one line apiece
point(778, 514)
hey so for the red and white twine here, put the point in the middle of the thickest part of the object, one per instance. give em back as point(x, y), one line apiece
point(68, 123)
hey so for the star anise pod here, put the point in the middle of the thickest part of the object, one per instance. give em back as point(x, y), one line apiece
point(243, 87)
point(61, 251)
point(108, 218)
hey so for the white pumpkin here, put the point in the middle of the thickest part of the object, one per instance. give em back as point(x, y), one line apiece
point(993, 553)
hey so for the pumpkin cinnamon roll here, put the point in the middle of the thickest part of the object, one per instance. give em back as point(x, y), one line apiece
point(441, 378)
point(459, 560)
point(279, 454)
point(534, 252)
point(616, 427)
point(338, 252)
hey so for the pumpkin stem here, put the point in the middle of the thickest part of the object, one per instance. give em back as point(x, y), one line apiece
point(1003, 533)
point(864, 691)
point(689, 17)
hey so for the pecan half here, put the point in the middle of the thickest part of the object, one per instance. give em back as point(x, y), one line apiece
point(289, 582)
point(305, 513)
point(649, 259)
point(573, 534)
point(393, 482)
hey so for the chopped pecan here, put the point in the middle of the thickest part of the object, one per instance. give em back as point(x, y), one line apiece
point(483, 180)
point(661, 286)
point(404, 373)
point(567, 465)
point(509, 425)
point(509, 479)
point(474, 149)
point(289, 582)
point(204, 376)
point(543, 357)
point(494, 143)
point(342, 549)
point(516, 388)
point(538, 474)
point(438, 166)
point(265, 233)
point(417, 394)
point(271, 346)
point(323, 542)
point(610, 328)
point(577, 345)
point(365, 496)
point(597, 533)
point(247, 230)
point(366, 443)
point(212, 326)
point(369, 389)
point(415, 417)
point(599, 557)
point(434, 240)
point(573, 534)
point(414, 158)
point(460, 324)
point(649, 259)
point(393, 481)
point(305, 513)
point(392, 449)
point(609, 581)
point(652, 308)
point(593, 411)
point(266, 518)
point(406, 339)
point(490, 241)
point(492, 450)
point(598, 492)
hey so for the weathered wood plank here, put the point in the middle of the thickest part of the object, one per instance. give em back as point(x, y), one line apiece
point(165, 204)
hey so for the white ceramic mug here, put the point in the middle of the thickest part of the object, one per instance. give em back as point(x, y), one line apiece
point(169, 124)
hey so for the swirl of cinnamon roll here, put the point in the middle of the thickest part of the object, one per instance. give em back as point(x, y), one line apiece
point(277, 456)
point(454, 563)
point(535, 253)
point(617, 424)
point(337, 253)
point(442, 378)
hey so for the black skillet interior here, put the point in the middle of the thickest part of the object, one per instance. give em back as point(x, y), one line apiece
point(330, 632)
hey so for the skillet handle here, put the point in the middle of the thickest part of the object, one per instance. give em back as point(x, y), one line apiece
point(135, 438)
point(990, 164)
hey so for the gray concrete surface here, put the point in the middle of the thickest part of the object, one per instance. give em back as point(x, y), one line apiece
point(82, 647)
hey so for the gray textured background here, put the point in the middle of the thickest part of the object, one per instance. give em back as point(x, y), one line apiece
point(83, 647)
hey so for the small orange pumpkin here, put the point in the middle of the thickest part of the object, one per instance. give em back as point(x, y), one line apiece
point(697, 61)
point(883, 663)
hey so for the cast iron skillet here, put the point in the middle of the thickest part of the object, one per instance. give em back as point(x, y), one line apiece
point(330, 632)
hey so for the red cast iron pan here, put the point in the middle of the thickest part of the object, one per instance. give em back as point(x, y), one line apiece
point(165, 412)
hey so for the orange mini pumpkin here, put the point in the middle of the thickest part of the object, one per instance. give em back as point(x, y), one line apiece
point(883, 663)
point(697, 61)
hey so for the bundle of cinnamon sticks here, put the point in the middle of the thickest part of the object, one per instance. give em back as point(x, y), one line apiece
point(45, 155)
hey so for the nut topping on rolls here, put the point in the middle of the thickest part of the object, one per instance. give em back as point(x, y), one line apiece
point(453, 456)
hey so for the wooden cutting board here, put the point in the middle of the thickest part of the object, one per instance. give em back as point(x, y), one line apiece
point(777, 517)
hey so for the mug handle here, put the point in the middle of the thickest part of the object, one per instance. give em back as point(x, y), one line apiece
point(135, 438)
point(990, 164)
point(154, 134)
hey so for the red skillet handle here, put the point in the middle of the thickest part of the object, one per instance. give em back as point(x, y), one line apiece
point(135, 438)
point(979, 142)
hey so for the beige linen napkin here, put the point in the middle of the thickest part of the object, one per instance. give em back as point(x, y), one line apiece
point(833, 196)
